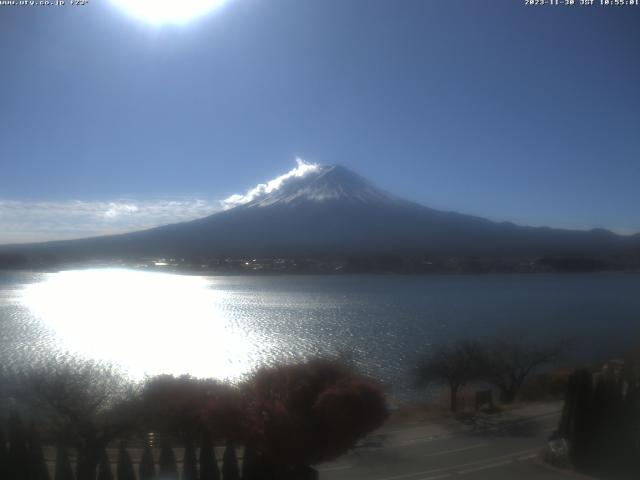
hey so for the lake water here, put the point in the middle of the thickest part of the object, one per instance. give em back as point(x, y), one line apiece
point(224, 326)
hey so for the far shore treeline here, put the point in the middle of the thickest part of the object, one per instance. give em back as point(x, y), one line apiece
point(380, 263)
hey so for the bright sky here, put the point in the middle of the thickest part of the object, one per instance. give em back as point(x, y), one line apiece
point(110, 122)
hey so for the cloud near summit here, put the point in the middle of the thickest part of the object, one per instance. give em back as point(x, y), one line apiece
point(302, 168)
point(35, 221)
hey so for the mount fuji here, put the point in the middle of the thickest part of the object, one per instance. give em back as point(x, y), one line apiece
point(331, 211)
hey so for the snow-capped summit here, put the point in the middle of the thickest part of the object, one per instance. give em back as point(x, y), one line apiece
point(316, 210)
point(326, 183)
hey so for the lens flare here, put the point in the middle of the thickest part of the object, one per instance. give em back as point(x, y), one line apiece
point(160, 12)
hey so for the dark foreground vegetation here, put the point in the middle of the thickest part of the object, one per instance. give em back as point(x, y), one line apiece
point(279, 423)
point(599, 430)
point(600, 426)
point(73, 420)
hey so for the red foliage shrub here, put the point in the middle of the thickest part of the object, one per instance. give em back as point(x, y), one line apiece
point(310, 412)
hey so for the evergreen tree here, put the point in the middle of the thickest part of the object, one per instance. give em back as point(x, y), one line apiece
point(632, 434)
point(147, 467)
point(208, 463)
point(39, 469)
point(63, 469)
point(125, 466)
point(601, 423)
point(167, 462)
point(250, 466)
point(230, 470)
point(256, 467)
point(88, 459)
point(104, 467)
point(4, 455)
point(616, 424)
point(19, 461)
point(189, 462)
point(576, 422)
point(596, 426)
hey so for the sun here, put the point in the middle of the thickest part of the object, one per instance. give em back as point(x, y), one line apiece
point(160, 12)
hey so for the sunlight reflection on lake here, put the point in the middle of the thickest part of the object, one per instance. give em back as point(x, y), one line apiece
point(151, 322)
point(146, 322)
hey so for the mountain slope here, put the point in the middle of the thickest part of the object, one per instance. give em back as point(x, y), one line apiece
point(331, 211)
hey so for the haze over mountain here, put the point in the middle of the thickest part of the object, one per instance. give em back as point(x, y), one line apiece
point(332, 211)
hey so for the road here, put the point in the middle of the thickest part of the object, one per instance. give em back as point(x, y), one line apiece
point(497, 451)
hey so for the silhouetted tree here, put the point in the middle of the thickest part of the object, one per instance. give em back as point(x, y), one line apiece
point(509, 364)
point(104, 467)
point(83, 402)
point(176, 405)
point(63, 469)
point(256, 467)
point(250, 464)
point(147, 467)
point(610, 436)
point(230, 470)
point(4, 455)
point(454, 365)
point(311, 412)
point(576, 424)
point(124, 467)
point(168, 468)
point(596, 428)
point(631, 413)
point(189, 462)
point(208, 463)
point(599, 422)
point(224, 414)
point(19, 460)
point(39, 470)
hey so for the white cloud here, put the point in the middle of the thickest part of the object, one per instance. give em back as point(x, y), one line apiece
point(301, 169)
point(22, 221)
point(118, 209)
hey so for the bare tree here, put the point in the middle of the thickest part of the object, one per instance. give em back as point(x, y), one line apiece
point(84, 403)
point(509, 363)
point(455, 366)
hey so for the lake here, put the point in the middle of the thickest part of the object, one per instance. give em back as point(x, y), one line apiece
point(150, 322)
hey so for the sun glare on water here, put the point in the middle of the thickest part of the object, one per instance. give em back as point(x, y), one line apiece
point(167, 11)
point(146, 322)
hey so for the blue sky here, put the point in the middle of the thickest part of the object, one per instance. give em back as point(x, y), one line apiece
point(110, 123)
